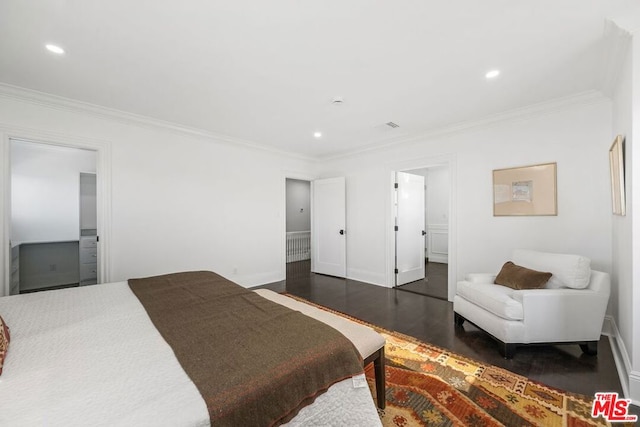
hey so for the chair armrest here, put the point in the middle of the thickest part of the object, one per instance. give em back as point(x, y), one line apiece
point(557, 315)
point(480, 278)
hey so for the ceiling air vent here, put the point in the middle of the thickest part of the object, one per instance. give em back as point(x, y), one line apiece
point(392, 125)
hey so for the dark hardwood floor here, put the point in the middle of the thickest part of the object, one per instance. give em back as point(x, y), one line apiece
point(431, 320)
point(435, 284)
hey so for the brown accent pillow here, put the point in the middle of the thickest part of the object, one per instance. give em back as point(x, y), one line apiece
point(4, 342)
point(517, 277)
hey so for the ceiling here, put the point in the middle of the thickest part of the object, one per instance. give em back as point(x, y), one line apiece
point(266, 71)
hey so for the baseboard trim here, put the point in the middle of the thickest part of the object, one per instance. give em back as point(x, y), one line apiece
point(441, 259)
point(253, 280)
point(634, 387)
point(629, 379)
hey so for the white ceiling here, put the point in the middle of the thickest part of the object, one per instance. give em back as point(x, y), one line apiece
point(266, 71)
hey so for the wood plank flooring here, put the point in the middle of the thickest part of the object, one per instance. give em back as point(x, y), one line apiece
point(435, 283)
point(431, 320)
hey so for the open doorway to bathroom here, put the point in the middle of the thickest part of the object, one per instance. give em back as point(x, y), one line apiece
point(434, 233)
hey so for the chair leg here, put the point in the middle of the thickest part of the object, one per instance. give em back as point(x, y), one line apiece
point(590, 348)
point(507, 350)
point(378, 367)
point(457, 319)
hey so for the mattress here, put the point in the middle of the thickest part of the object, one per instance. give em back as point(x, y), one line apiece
point(91, 356)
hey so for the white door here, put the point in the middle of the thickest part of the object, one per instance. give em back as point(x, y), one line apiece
point(410, 228)
point(329, 249)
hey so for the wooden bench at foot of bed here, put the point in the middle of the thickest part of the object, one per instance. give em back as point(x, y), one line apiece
point(369, 343)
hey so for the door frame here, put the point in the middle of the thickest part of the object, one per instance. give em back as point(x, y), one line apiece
point(103, 196)
point(420, 163)
point(283, 241)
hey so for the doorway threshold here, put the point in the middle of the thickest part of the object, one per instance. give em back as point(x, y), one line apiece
point(418, 291)
point(435, 284)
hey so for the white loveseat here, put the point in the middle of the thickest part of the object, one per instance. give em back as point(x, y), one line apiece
point(569, 309)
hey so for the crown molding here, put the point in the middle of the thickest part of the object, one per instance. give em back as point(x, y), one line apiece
point(67, 104)
point(629, 19)
point(516, 114)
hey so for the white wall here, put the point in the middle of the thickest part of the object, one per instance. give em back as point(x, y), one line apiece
point(437, 181)
point(577, 138)
point(622, 253)
point(634, 203)
point(625, 230)
point(298, 205)
point(45, 194)
point(438, 194)
point(88, 202)
point(178, 201)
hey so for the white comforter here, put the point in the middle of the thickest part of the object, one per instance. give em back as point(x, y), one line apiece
point(91, 356)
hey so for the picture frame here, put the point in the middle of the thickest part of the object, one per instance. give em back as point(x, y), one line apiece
point(616, 165)
point(525, 191)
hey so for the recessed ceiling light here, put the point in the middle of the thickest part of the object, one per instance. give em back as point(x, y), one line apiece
point(492, 74)
point(317, 134)
point(55, 49)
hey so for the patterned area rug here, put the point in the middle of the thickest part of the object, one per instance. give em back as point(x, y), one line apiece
point(430, 386)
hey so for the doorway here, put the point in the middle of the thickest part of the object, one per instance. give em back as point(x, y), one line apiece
point(315, 227)
point(53, 216)
point(427, 218)
point(298, 227)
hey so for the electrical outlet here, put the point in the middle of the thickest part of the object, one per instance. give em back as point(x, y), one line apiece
point(235, 270)
point(53, 267)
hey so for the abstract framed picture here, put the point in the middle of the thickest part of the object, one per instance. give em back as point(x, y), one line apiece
point(616, 164)
point(525, 191)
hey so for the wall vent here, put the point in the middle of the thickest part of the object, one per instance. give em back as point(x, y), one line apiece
point(392, 125)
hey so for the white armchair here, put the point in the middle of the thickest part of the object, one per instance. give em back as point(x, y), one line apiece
point(570, 309)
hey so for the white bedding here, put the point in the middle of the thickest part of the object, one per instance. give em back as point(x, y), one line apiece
point(91, 356)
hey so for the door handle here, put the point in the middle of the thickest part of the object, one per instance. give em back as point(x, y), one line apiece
point(341, 232)
point(424, 233)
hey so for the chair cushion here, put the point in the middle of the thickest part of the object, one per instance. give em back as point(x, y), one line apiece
point(496, 299)
point(518, 277)
point(480, 277)
point(569, 271)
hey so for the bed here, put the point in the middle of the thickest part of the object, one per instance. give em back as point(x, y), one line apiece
point(93, 356)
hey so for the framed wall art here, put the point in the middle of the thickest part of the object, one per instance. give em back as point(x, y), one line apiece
point(616, 164)
point(526, 190)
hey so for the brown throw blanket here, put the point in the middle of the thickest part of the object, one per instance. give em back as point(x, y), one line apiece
point(255, 362)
